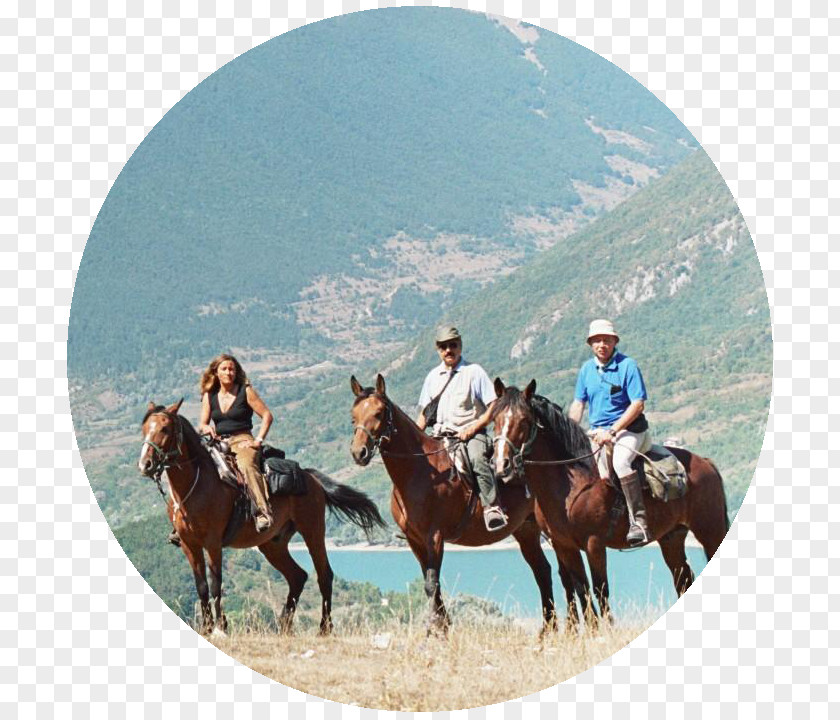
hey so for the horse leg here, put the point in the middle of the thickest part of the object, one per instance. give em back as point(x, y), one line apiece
point(672, 545)
point(195, 557)
point(314, 538)
point(276, 551)
point(709, 531)
point(596, 554)
point(528, 537)
point(430, 557)
point(573, 577)
point(214, 558)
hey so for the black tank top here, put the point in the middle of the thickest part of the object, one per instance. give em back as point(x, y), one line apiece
point(238, 417)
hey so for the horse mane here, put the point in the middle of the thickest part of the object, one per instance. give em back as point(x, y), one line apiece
point(569, 438)
point(195, 447)
point(366, 393)
point(151, 411)
point(566, 438)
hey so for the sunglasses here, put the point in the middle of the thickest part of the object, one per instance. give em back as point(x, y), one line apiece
point(451, 345)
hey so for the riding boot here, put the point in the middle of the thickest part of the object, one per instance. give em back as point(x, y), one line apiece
point(632, 488)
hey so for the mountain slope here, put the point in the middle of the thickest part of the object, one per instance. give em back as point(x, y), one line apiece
point(676, 269)
point(674, 266)
point(323, 157)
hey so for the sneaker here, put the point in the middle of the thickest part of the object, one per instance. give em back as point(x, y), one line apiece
point(494, 518)
point(174, 539)
point(637, 535)
point(262, 522)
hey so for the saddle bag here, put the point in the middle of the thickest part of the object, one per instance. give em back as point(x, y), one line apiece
point(283, 477)
point(664, 474)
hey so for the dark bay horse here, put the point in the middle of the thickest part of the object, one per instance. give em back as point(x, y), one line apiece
point(201, 506)
point(432, 505)
point(575, 505)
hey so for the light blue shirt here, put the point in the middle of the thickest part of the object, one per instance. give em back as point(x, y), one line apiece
point(465, 398)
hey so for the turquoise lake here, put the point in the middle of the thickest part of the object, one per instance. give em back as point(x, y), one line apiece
point(640, 583)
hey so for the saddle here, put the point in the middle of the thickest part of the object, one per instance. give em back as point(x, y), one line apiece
point(660, 472)
point(460, 460)
point(463, 470)
point(283, 477)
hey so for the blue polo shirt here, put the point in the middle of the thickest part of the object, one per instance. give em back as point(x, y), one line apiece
point(610, 389)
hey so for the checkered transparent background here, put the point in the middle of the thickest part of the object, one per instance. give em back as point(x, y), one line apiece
point(82, 84)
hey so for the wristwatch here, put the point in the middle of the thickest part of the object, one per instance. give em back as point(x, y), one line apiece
point(613, 432)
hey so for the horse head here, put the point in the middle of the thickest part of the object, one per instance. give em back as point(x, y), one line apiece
point(373, 419)
point(514, 427)
point(162, 436)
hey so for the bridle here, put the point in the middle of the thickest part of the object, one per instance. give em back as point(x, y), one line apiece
point(390, 431)
point(162, 460)
point(519, 455)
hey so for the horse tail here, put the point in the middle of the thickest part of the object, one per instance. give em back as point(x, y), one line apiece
point(349, 504)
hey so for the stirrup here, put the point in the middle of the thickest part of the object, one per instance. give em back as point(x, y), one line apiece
point(262, 522)
point(494, 518)
point(637, 535)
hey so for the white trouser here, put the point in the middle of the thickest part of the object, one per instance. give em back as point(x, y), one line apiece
point(621, 453)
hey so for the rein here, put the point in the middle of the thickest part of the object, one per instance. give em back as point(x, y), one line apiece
point(520, 454)
point(176, 506)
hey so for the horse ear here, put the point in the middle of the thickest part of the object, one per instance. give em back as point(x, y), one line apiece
point(499, 386)
point(380, 384)
point(151, 407)
point(175, 407)
point(529, 391)
point(355, 386)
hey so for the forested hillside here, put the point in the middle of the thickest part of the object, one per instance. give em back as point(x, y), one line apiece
point(314, 173)
point(674, 266)
point(321, 203)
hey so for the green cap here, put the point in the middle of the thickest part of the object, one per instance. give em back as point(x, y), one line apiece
point(447, 332)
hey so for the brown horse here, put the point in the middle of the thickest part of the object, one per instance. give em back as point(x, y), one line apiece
point(433, 505)
point(580, 510)
point(201, 507)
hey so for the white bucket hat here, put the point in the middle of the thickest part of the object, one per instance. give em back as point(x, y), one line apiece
point(601, 327)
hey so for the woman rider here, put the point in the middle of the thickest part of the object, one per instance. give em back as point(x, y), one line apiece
point(229, 400)
point(613, 386)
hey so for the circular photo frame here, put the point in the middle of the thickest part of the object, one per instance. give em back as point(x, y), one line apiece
point(449, 330)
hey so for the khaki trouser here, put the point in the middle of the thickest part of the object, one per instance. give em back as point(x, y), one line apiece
point(247, 458)
point(621, 454)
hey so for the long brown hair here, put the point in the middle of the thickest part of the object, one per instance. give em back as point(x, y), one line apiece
point(210, 380)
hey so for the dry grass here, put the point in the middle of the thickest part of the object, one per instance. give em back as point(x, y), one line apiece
point(477, 665)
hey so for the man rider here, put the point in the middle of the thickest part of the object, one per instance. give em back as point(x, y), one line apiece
point(612, 384)
point(465, 396)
